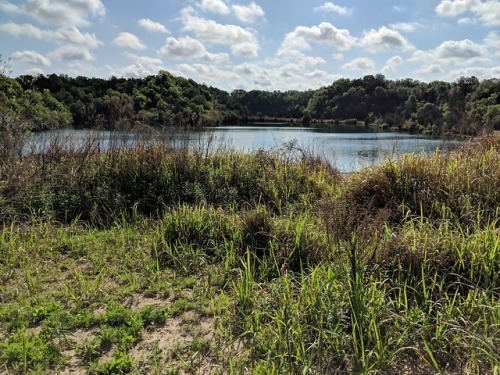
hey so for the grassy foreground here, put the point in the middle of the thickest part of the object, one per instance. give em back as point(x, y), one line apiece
point(163, 261)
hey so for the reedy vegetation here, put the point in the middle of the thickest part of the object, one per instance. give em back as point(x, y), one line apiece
point(301, 269)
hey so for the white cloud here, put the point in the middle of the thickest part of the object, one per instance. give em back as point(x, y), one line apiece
point(182, 48)
point(143, 60)
point(66, 35)
point(248, 49)
point(331, 7)
point(488, 11)
point(189, 48)
point(71, 53)
point(207, 74)
point(467, 21)
point(393, 64)
point(361, 63)
point(152, 26)
point(325, 33)
point(285, 74)
point(246, 68)
point(24, 30)
point(128, 40)
point(385, 39)
point(248, 13)
point(452, 8)
point(405, 26)
point(263, 82)
point(312, 61)
point(65, 12)
point(137, 70)
point(450, 53)
point(493, 41)
point(459, 50)
point(241, 41)
point(72, 35)
point(8, 7)
point(479, 72)
point(215, 6)
point(31, 57)
point(82, 68)
point(299, 68)
point(317, 74)
point(431, 69)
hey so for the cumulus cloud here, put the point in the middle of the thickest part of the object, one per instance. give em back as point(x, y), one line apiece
point(459, 50)
point(287, 74)
point(405, 26)
point(331, 7)
point(263, 82)
point(431, 69)
point(215, 6)
point(129, 40)
point(248, 13)
point(71, 53)
point(467, 21)
point(152, 26)
point(189, 48)
point(246, 68)
point(488, 11)
point(317, 74)
point(312, 61)
point(452, 8)
point(208, 74)
point(8, 7)
point(493, 41)
point(241, 41)
point(299, 68)
point(65, 12)
point(361, 63)
point(66, 35)
point(325, 33)
point(72, 35)
point(385, 39)
point(24, 30)
point(393, 64)
point(476, 71)
point(31, 57)
point(143, 60)
point(137, 70)
point(247, 49)
point(450, 53)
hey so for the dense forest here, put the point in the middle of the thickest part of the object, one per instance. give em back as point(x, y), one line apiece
point(466, 106)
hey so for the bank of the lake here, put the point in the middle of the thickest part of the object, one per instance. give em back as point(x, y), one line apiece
point(348, 147)
point(156, 259)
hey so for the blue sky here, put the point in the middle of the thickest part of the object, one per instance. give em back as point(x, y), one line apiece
point(256, 44)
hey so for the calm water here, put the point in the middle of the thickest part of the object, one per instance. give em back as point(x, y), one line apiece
point(348, 148)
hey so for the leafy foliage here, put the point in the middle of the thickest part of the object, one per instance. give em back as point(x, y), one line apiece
point(467, 106)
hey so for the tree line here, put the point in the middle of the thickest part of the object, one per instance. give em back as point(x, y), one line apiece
point(466, 106)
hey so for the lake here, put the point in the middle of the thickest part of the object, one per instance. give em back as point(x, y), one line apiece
point(349, 148)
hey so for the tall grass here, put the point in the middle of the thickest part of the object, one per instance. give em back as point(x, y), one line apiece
point(101, 186)
point(394, 269)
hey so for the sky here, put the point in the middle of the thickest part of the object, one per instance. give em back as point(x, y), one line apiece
point(266, 45)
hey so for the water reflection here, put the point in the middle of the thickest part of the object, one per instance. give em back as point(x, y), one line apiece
point(346, 147)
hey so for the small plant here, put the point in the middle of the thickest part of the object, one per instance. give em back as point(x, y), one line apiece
point(121, 363)
point(89, 350)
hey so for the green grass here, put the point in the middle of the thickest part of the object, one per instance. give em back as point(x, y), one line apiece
point(164, 261)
